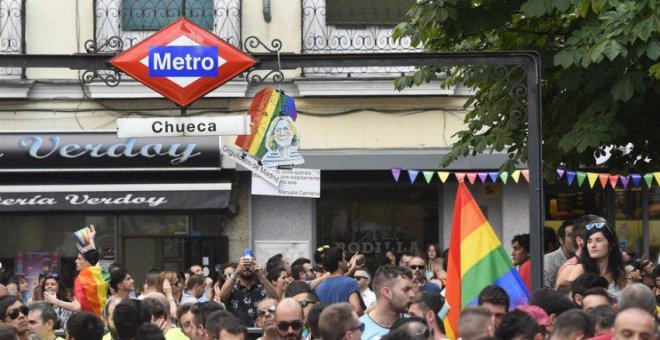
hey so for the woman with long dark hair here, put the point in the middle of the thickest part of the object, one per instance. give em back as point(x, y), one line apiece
point(602, 256)
point(56, 294)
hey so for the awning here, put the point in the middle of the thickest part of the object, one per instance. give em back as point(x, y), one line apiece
point(120, 196)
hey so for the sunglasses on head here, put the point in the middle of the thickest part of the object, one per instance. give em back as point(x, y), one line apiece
point(417, 267)
point(322, 248)
point(13, 313)
point(359, 326)
point(264, 311)
point(284, 326)
point(597, 225)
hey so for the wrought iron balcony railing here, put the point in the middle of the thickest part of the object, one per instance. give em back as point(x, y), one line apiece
point(319, 37)
point(12, 34)
point(120, 24)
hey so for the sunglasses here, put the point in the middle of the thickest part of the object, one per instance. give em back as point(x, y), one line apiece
point(13, 313)
point(359, 326)
point(305, 303)
point(264, 311)
point(417, 267)
point(51, 275)
point(295, 325)
point(357, 277)
point(597, 225)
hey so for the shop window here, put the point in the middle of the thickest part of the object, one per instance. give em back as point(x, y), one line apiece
point(628, 219)
point(366, 12)
point(563, 203)
point(371, 220)
point(154, 224)
point(152, 15)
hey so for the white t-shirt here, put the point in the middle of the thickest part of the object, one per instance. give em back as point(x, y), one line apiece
point(369, 297)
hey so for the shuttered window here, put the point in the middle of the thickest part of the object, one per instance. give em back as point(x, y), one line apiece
point(366, 12)
point(152, 15)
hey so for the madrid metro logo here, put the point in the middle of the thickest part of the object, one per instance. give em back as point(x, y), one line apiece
point(183, 62)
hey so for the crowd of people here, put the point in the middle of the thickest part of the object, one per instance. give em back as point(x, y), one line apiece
point(592, 289)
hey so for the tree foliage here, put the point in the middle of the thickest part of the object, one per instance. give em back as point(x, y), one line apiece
point(600, 76)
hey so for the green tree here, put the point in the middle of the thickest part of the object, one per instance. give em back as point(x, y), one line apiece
point(600, 75)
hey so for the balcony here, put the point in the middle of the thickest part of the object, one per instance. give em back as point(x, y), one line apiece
point(12, 34)
point(131, 21)
point(320, 37)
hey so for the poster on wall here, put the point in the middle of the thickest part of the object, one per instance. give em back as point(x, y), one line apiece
point(31, 264)
point(291, 250)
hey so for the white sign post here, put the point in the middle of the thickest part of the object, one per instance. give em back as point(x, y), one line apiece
point(183, 126)
point(293, 183)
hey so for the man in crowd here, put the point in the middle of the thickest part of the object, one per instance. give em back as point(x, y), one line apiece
point(519, 325)
point(88, 290)
point(195, 288)
point(634, 323)
point(223, 325)
point(496, 300)
point(200, 313)
point(475, 323)
point(128, 316)
point(364, 279)
point(122, 283)
point(337, 287)
point(426, 306)
point(302, 270)
point(574, 324)
point(394, 291)
point(595, 297)
point(158, 306)
point(42, 321)
point(520, 258)
point(150, 282)
point(340, 322)
point(266, 318)
point(637, 295)
point(196, 269)
point(244, 288)
point(289, 319)
point(583, 283)
point(108, 319)
point(554, 260)
point(184, 316)
point(552, 302)
point(14, 312)
point(418, 267)
point(84, 326)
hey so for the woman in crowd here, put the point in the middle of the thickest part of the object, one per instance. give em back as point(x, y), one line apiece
point(170, 284)
point(226, 270)
point(56, 294)
point(602, 256)
point(279, 278)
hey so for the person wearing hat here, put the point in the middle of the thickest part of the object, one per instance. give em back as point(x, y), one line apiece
point(90, 288)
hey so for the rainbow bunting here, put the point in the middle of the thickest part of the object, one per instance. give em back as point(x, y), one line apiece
point(266, 105)
point(476, 259)
point(91, 288)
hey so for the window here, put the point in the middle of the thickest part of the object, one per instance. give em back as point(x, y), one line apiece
point(152, 15)
point(366, 12)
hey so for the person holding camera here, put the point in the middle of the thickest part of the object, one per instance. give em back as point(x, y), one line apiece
point(244, 288)
point(337, 287)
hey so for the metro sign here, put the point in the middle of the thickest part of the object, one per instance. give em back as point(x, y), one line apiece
point(183, 62)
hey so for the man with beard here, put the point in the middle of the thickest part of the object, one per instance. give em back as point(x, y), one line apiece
point(337, 287)
point(394, 291)
point(122, 283)
point(42, 320)
point(244, 289)
point(266, 318)
point(15, 313)
point(289, 318)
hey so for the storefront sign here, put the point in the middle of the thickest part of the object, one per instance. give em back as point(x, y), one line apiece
point(271, 176)
point(183, 126)
point(90, 198)
point(183, 62)
point(293, 183)
point(104, 151)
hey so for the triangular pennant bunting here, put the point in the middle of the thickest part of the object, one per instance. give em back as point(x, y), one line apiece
point(412, 174)
point(516, 176)
point(624, 181)
point(560, 173)
point(603, 179)
point(504, 176)
point(592, 177)
point(657, 177)
point(428, 176)
point(525, 174)
point(636, 179)
point(472, 176)
point(570, 176)
point(443, 176)
point(396, 172)
point(648, 178)
point(483, 176)
point(493, 176)
point(580, 177)
point(460, 176)
point(614, 179)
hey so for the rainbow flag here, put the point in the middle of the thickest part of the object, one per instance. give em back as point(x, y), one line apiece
point(91, 289)
point(476, 260)
point(266, 105)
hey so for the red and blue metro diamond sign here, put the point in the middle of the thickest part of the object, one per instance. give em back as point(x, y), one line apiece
point(183, 62)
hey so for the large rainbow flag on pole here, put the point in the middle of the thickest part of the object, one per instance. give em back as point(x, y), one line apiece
point(476, 260)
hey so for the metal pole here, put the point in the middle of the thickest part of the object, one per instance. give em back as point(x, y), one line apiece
point(645, 224)
point(535, 164)
point(184, 111)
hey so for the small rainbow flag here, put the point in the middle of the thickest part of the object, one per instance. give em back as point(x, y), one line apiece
point(266, 105)
point(476, 260)
point(91, 289)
